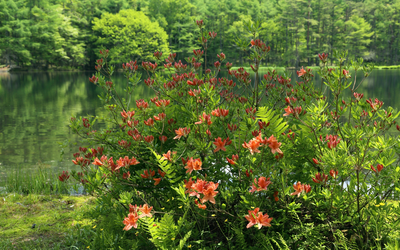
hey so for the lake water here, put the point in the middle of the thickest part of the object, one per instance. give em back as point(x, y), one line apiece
point(35, 109)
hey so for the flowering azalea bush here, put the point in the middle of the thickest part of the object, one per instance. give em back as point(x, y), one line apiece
point(237, 162)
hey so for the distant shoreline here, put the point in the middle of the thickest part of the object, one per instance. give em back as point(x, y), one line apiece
point(248, 68)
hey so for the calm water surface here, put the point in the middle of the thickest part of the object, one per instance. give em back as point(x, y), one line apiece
point(35, 109)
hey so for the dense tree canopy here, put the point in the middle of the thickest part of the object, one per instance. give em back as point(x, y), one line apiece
point(70, 33)
point(130, 35)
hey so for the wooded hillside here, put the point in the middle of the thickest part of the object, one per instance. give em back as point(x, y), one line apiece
point(39, 33)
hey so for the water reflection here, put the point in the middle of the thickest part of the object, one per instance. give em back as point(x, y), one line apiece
point(35, 109)
point(35, 113)
point(381, 84)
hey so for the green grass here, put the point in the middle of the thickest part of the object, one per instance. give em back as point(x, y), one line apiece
point(39, 181)
point(54, 217)
point(388, 67)
point(37, 197)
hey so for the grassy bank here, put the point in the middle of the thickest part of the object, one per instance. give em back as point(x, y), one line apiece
point(388, 67)
point(38, 212)
point(40, 221)
point(39, 181)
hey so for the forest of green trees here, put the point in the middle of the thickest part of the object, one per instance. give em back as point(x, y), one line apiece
point(69, 33)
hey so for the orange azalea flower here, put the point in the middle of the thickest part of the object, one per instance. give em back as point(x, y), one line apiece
point(216, 112)
point(209, 192)
point(232, 127)
point(193, 164)
point(276, 198)
point(253, 188)
point(233, 160)
point(194, 92)
point(255, 133)
point(197, 164)
point(133, 209)
point(154, 99)
point(288, 111)
point(161, 173)
point(298, 187)
point(333, 141)
point(141, 104)
point(133, 161)
point(149, 122)
point(64, 176)
point(188, 185)
point(184, 160)
point(112, 164)
point(163, 138)
point(279, 156)
point(202, 206)
point(224, 112)
point(333, 173)
point(262, 125)
point(78, 160)
point(204, 118)
point(149, 139)
point(130, 221)
point(198, 187)
point(301, 72)
point(120, 163)
point(97, 162)
point(189, 167)
point(220, 112)
point(262, 183)
point(160, 116)
point(147, 174)
point(251, 217)
point(124, 114)
point(162, 103)
point(263, 220)
point(157, 181)
point(220, 144)
point(274, 145)
point(145, 211)
point(320, 178)
point(126, 175)
point(379, 167)
point(125, 162)
point(256, 217)
point(181, 132)
point(103, 158)
point(253, 146)
point(167, 156)
point(260, 139)
point(307, 188)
